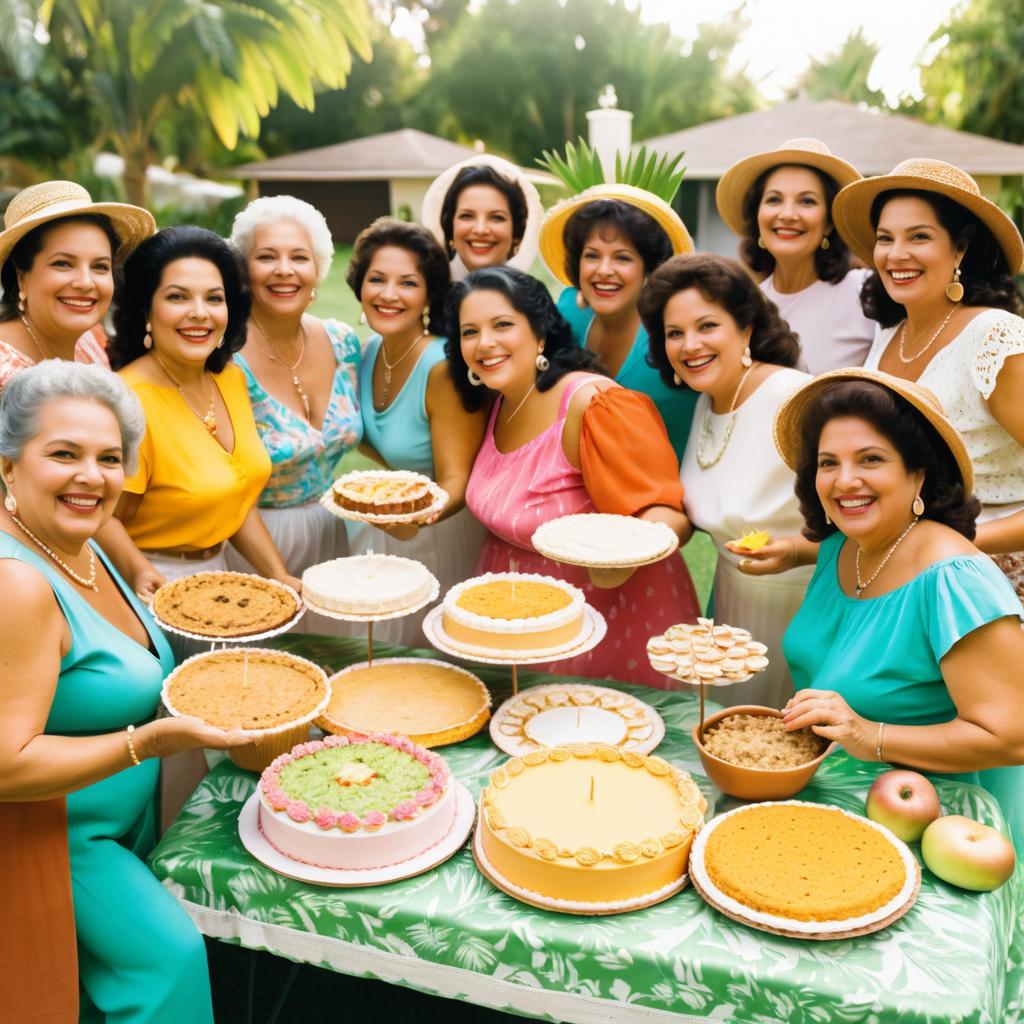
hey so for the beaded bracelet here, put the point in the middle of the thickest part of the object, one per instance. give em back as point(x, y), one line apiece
point(878, 741)
point(131, 748)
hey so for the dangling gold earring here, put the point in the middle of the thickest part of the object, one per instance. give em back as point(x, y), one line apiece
point(955, 290)
point(11, 503)
point(676, 380)
point(828, 521)
point(918, 507)
point(581, 302)
point(21, 302)
point(426, 318)
point(760, 243)
point(745, 359)
point(147, 338)
point(825, 243)
point(362, 316)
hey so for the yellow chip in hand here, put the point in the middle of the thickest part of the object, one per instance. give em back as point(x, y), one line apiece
point(754, 540)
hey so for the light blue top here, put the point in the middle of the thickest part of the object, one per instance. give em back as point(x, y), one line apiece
point(401, 433)
point(303, 458)
point(883, 653)
point(675, 405)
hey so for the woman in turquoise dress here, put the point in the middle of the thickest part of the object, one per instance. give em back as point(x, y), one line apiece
point(412, 416)
point(908, 646)
point(603, 244)
point(79, 686)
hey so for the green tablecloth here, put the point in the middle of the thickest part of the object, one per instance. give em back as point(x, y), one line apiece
point(449, 932)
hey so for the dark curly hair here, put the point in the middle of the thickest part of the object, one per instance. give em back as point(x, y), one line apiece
point(613, 215)
point(143, 272)
point(28, 247)
point(831, 264)
point(984, 272)
point(430, 260)
point(530, 297)
point(724, 282)
point(481, 174)
point(946, 499)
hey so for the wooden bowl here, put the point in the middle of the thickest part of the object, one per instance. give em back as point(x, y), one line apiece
point(753, 783)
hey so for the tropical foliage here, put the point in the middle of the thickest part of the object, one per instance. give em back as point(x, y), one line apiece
point(581, 168)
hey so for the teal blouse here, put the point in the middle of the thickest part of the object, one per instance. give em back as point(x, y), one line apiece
point(882, 654)
point(675, 405)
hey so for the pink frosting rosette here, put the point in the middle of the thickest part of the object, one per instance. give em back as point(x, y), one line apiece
point(276, 797)
point(349, 822)
point(335, 741)
point(406, 810)
point(326, 818)
point(426, 797)
point(374, 821)
point(298, 810)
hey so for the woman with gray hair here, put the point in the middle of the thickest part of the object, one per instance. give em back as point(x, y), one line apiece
point(302, 374)
point(80, 681)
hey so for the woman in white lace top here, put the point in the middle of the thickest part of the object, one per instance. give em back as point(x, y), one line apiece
point(943, 293)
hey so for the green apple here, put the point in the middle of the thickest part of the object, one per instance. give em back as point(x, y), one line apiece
point(967, 854)
point(904, 802)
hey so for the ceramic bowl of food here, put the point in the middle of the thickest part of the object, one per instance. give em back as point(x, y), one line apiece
point(746, 753)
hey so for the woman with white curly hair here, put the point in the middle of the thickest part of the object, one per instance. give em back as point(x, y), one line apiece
point(302, 373)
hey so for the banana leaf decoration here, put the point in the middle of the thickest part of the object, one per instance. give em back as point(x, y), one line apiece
point(581, 168)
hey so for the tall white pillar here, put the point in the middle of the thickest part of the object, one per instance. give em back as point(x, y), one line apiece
point(610, 131)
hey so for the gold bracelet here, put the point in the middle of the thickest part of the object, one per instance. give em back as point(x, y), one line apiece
point(131, 748)
point(878, 741)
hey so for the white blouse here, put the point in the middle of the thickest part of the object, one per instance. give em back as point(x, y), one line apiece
point(963, 376)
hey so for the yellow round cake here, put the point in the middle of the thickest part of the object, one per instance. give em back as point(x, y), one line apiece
point(588, 824)
point(513, 612)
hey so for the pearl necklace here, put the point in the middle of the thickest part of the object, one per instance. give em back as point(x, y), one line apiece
point(209, 420)
point(862, 586)
point(296, 383)
point(903, 337)
point(85, 581)
point(705, 428)
point(388, 367)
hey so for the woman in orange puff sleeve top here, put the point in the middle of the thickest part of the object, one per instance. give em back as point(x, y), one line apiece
point(562, 438)
point(201, 463)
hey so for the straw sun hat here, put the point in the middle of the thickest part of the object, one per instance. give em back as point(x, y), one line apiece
point(790, 417)
point(737, 181)
point(552, 230)
point(51, 200)
point(435, 196)
point(851, 210)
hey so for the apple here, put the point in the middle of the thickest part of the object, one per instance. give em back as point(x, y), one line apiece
point(967, 854)
point(904, 802)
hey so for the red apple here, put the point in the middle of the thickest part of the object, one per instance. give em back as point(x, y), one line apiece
point(967, 854)
point(904, 802)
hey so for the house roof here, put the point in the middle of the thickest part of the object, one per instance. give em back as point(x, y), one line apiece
point(407, 153)
point(873, 142)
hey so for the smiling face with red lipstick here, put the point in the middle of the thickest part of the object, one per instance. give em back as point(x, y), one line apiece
point(792, 217)
point(189, 313)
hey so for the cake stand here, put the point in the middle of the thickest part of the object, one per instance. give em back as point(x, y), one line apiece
point(435, 589)
point(593, 632)
point(257, 844)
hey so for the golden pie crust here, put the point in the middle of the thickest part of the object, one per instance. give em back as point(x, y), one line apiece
point(247, 689)
point(377, 492)
point(431, 702)
point(803, 862)
point(224, 604)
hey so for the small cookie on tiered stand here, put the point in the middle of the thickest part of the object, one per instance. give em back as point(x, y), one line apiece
point(702, 652)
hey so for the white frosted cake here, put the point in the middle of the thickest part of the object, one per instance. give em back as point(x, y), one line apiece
point(601, 539)
point(356, 802)
point(367, 584)
point(510, 611)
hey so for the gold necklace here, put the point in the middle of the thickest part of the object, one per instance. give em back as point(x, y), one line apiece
point(209, 420)
point(705, 428)
point(85, 581)
point(32, 335)
point(903, 337)
point(522, 402)
point(861, 587)
point(388, 367)
point(296, 383)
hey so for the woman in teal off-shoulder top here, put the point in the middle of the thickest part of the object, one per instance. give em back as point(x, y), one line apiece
point(908, 644)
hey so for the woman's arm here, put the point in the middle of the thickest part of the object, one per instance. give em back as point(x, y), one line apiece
point(130, 562)
point(256, 546)
point(780, 554)
point(34, 766)
point(982, 673)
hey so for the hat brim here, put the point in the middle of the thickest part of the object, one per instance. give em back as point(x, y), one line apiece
point(434, 198)
point(132, 224)
point(789, 420)
point(851, 213)
point(737, 181)
point(552, 230)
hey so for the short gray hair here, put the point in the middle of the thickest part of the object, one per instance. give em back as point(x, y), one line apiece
point(273, 210)
point(30, 389)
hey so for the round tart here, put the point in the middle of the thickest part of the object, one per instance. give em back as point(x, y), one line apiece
point(511, 611)
point(225, 604)
point(383, 492)
point(804, 868)
point(603, 540)
point(588, 828)
point(431, 702)
point(367, 585)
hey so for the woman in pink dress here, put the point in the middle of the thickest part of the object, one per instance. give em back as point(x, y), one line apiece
point(563, 438)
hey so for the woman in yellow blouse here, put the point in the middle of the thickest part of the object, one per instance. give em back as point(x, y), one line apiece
point(201, 463)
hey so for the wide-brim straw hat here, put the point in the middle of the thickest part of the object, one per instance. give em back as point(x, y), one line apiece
point(790, 418)
point(435, 196)
point(552, 230)
point(737, 181)
point(52, 200)
point(851, 211)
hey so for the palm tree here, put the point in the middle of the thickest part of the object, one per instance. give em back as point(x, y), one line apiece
point(229, 59)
